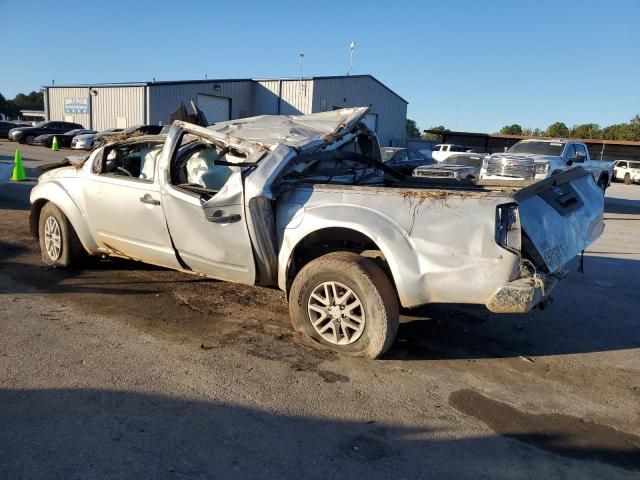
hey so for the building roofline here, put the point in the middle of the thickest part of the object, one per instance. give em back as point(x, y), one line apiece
point(330, 77)
point(226, 80)
point(530, 137)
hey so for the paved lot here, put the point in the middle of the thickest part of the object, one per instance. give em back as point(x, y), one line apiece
point(127, 371)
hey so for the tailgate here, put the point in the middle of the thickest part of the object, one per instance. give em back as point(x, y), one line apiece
point(560, 216)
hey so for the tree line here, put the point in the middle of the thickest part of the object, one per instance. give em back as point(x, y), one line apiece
point(619, 131)
point(30, 101)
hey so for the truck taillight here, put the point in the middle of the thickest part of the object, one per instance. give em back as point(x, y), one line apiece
point(508, 227)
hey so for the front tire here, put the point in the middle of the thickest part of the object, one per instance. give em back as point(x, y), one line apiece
point(29, 139)
point(59, 243)
point(627, 179)
point(347, 303)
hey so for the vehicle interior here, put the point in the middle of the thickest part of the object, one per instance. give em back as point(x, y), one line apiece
point(133, 161)
point(202, 168)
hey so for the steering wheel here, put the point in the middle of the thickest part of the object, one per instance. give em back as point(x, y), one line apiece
point(122, 169)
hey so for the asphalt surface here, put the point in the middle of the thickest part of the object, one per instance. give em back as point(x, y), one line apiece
point(126, 371)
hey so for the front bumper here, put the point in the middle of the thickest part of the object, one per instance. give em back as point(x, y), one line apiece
point(520, 296)
point(82, 145)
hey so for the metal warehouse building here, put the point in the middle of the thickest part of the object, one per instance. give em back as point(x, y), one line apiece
point(121, 105)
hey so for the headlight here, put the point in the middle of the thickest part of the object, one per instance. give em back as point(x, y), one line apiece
point(542, 168)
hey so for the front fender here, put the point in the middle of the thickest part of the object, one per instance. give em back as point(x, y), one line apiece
point(392, 240)
point(55, 192)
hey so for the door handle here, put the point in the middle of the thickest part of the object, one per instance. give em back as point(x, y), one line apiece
point(219, 217)
point(149, 200)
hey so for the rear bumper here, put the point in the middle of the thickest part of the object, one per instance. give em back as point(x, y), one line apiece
point(522, 295)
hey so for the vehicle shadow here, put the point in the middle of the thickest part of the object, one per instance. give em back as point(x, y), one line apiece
point(621, 206)
point(15, 195)
point(86, 433)
point(591, 312)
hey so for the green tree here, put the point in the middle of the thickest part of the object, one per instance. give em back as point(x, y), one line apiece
point(514, 129)
point(586, 130)
point(4, 105)
point(412, 129)
point(432, 136)
point(31, 101)
point(557, 129)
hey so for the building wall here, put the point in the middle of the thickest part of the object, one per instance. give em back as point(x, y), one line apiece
point(111, 103)
point(342, 92)
point(154, 103)
point(56, 98)
point(165, 99)
point(296, 97)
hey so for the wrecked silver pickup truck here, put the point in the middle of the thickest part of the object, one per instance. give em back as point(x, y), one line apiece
point(304, 203)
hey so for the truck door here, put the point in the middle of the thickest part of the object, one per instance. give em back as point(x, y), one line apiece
point(583, 159)
point(123, 203)
point(203, 202)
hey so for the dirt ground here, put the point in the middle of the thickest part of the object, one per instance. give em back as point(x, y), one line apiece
point(122, 370)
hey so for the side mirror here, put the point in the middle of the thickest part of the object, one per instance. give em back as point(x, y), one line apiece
point(570, 162)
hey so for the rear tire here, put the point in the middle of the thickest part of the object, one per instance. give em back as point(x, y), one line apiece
point(366, 330)
point(59, 243)
point(627, 179)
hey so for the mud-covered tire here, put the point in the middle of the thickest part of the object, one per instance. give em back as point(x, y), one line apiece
point(52, 225)
point(627, 179)
point(371, 286)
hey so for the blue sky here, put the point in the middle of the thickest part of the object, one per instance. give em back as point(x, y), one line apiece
point(468, 65)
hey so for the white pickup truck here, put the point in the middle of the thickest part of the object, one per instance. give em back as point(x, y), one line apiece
point(541, 158)
point(442, 151)
point(305, 204)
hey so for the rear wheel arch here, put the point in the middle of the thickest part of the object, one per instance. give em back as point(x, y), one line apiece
point(334, 239)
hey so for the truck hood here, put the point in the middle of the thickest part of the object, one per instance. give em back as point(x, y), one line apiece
point(299, 131)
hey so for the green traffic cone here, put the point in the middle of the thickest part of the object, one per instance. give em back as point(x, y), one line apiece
point(54, 146)
point(18, 168)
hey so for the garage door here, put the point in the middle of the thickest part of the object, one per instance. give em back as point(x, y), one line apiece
point(216, 109)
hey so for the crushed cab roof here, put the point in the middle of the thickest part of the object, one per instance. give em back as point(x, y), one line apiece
point(294, 130)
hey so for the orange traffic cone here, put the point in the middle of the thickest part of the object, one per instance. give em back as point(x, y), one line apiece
point(18, 168)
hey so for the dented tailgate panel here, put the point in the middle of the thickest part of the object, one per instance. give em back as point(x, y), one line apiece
point(562, 216)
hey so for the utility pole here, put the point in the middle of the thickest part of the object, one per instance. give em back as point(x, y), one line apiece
point(352, 46)
point(301, 58)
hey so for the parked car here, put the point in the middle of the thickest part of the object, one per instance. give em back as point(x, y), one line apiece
point(64, 139)
point(136, 130)
point(86, 141)
point(537, 159)
point(626, 171)
point(305, 204)
point(28, 134)
point(444, 150)
point(5, 126)
point(404, 160)
point(461, 167)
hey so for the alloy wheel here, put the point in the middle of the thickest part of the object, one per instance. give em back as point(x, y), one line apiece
point(336, 313)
